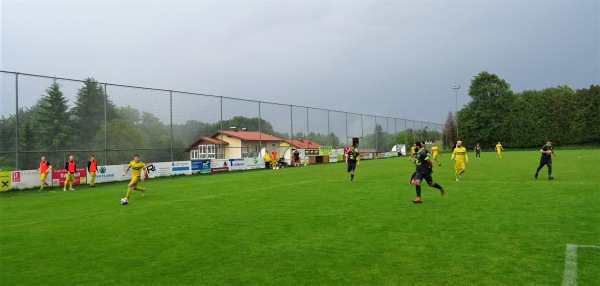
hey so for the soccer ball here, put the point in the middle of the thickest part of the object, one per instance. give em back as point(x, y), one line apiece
point(124, 201)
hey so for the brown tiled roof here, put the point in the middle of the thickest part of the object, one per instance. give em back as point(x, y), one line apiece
point(243, 135)
point(247, 135)
point(303, 143)
point(205, 140)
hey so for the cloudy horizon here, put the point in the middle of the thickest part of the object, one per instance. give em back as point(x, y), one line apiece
point(385, 58)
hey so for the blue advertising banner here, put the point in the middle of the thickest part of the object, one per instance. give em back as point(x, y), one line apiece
point(202, 166)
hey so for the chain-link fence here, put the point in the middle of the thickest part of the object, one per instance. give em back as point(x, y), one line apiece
point(57, 117)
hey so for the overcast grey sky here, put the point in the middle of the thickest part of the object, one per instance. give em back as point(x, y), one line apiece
point(385, 58)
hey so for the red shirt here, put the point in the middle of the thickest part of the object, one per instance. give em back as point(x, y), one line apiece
point(71, 166)
point(92, 166)
point(44, 166)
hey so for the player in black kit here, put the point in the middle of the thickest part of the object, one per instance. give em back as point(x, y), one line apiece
point(352, 158)
point(546, 160)
point(424, 168)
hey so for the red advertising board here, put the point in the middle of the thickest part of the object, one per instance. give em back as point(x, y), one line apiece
point(219, 169)
point(58, 177)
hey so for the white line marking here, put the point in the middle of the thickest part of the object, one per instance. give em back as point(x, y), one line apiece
point(570, 274)
point(588, 246)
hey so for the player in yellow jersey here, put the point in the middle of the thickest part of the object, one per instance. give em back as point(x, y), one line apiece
point(499, 150)
point(459, 155)
point(268, 159)
point(435, 150)
point(136, 167)
point(412, 153)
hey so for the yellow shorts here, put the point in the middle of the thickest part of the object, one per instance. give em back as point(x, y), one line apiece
point(69, 177)
point(135, 180)
point(43, 176)
point(459, 165)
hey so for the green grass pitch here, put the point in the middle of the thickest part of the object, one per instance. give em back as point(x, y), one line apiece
point(310, 226)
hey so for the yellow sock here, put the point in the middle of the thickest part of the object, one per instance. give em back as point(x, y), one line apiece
point(138, 188)
point(128, 192)
point(70, 184)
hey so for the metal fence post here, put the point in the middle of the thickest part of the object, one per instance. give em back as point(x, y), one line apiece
point(328, 131)
point(17, 121)
point(292, 123)
point(105, 124)
point(171, 112)
point(259, 129)
point(307, 130)
point(362, 131)
point(347, 129)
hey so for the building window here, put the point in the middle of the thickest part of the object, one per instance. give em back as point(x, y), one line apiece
point(220, 153)
point(194, 154)
point(206, 151)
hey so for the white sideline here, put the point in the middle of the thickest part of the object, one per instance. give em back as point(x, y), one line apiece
point(570, 274)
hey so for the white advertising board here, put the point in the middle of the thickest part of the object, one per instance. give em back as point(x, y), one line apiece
point(181, 167)
point(158, 169)
point(337, 151)
point(111, 173)
point(237, 164)
point(254, 163)
point(27, 179)
point(219, 165)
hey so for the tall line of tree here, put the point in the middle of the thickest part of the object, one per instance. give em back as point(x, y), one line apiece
point(529, 118)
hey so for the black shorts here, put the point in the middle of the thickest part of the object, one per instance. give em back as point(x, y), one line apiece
point(420, 175)
point(545, 162)
point(351, 166)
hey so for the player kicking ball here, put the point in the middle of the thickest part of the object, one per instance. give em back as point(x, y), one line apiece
point(136, 167)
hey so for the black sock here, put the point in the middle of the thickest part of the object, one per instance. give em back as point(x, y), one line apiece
point(418, 187)
point(351, 177)
point(437, 186)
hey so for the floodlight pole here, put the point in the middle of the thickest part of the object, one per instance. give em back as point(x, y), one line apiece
point(456, 88)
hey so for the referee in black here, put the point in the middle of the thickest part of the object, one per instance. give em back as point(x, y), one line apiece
point(546, 160)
